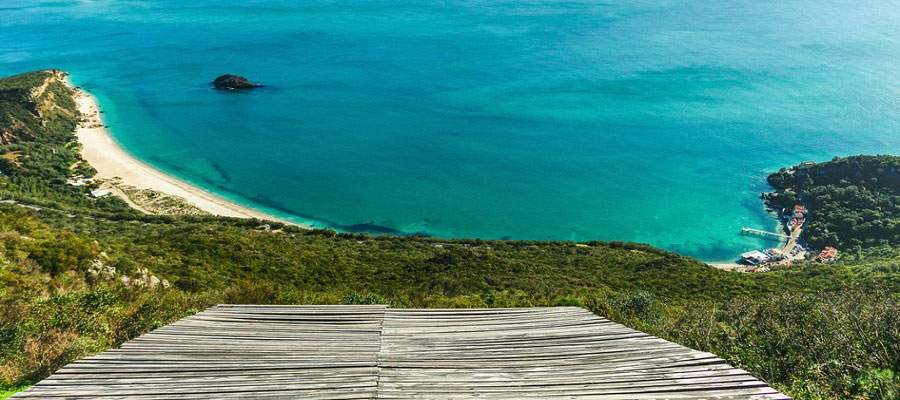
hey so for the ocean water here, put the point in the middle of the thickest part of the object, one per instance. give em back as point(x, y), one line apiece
point(647, 121)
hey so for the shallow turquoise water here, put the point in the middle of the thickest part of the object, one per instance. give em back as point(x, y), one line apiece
point(648, 121)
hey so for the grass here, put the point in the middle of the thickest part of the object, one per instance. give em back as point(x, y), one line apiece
point(7, 393)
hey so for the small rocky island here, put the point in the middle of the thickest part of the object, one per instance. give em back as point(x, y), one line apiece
point(233, 82)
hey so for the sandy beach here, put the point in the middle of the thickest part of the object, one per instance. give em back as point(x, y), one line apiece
point(100, 150)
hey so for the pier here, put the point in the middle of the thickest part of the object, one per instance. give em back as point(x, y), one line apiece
point(765, 234)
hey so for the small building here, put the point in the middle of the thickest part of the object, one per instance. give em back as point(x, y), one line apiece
point(775, 254)
point(755, 257)
point(797, 217)
point(79, 180)
point(100, 192)
point(828, 254)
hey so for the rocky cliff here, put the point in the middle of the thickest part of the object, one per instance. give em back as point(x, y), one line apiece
point(30, 103)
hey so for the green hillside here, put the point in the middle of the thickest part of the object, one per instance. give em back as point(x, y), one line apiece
point(79, 275)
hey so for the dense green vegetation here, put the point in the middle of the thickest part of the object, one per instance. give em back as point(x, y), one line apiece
point(855, 200)
point(813, 331)
point(38, 150)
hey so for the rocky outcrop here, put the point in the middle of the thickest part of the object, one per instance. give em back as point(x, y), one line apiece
point(233, 82)
point(99, 269)
point(144, 279)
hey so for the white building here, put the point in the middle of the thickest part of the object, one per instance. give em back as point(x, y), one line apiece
point(100, 192)
point(755, 257)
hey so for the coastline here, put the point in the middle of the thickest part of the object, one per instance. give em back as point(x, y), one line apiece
point(111, 161)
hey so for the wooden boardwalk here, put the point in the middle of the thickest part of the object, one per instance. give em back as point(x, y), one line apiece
point(374, 352)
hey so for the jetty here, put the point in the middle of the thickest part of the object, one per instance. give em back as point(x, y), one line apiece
point(765, 234)
point(377, 352)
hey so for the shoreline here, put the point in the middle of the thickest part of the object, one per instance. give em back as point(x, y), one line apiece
point(101, 151)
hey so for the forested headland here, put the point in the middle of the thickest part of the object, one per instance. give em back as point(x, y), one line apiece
point(856, 200)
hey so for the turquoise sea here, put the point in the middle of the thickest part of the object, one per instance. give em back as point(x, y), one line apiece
point(647, 121)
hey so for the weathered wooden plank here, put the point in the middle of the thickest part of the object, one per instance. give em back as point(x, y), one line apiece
point(316, 352)
point(544, 353)
point(367, 352)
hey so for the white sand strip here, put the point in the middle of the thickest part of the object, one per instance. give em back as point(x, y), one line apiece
point(106, 156)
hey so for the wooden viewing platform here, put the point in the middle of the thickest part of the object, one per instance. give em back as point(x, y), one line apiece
point(375, 352)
